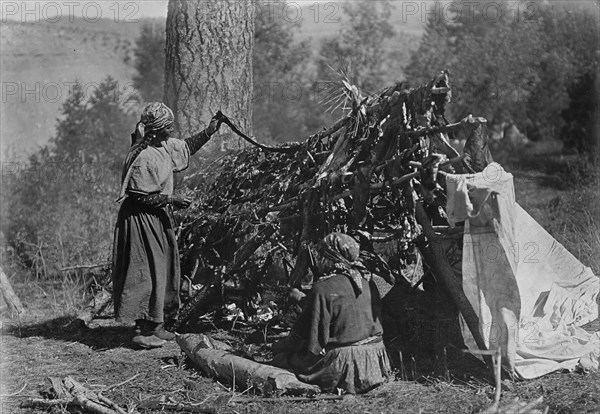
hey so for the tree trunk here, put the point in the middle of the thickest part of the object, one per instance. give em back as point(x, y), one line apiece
point(9, 295)
point(209, 66)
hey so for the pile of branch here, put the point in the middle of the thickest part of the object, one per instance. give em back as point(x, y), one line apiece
point(373, 174)
point(70, 393)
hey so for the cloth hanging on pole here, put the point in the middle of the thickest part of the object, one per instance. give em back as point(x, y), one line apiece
point(530, 293)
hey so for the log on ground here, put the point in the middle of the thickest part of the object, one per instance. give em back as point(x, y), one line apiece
point(95, 307)
point(242, 372)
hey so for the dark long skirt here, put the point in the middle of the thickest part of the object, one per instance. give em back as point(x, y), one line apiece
point(146, 272)
point(356, 368)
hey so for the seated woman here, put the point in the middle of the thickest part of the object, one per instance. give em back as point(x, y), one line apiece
point(336, 341)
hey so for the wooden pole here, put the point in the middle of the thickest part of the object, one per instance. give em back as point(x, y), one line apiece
point(498, 376)
point(434, 255)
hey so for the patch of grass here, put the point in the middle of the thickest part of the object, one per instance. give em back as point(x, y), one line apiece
point(561, 191)
point(575, 223)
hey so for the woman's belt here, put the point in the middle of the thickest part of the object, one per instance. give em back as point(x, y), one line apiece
point(367, 341)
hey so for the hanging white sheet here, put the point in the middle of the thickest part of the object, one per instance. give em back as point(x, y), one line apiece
point(530, 293)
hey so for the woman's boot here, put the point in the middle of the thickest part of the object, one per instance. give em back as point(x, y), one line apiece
point(160, 332)
point(145, 335)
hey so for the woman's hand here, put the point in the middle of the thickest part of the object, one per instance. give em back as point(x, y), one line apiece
point(181, 201)
point(296, 295)
point(215, 123)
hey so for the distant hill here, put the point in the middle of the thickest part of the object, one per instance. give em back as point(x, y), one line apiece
point(327, 20)
point(41, 61)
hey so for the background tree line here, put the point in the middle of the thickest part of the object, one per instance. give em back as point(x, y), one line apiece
point(534, 64)
point(538, 71)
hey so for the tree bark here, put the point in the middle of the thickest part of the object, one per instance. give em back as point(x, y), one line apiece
point(209, 66)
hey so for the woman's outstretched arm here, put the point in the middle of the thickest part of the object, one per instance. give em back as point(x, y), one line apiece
point(197, 141)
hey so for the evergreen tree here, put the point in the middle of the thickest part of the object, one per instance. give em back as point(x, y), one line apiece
point(282, 99)
point(149, 79)
point(62, 202)
point(515, 64)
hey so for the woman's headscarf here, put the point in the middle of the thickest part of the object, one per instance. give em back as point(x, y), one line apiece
point(343, 252)
point(156, 116)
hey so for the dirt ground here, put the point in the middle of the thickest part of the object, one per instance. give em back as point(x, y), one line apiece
point(41, 343)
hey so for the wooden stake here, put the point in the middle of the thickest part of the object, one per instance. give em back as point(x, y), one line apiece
point(402, 370)
point(498, 362)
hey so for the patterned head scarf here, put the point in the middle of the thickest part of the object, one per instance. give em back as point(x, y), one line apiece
point(343, 252)
point(156, 116)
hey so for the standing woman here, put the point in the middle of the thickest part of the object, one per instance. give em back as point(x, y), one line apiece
point(146, 273)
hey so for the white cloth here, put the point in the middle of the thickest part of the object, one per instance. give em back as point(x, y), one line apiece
point(530, 293)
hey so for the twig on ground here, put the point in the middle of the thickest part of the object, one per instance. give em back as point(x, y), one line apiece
point(110, 403)
point(92, 266)
point(111, 387)
point(71, 393)
point(14, 393)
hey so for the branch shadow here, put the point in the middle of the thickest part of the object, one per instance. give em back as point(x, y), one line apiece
point(69, 329)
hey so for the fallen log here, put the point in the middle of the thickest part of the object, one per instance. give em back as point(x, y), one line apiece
point(9, 295)
point(94, 307)
point(242, 372)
